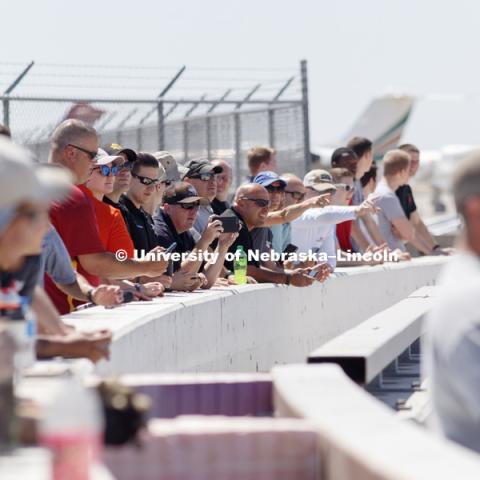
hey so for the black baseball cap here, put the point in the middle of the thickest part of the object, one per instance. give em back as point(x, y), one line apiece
point(116, 149)
point(197, 167)
point(182, 192)
point(341, 154)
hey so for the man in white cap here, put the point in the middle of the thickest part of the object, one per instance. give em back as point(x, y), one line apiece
point(25, 192)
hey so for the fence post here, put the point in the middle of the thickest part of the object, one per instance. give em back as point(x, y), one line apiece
point(185, 140)
point(306, 124)
point(6, 111)
point(237, 132)
point(161, 126)
point(271, 127)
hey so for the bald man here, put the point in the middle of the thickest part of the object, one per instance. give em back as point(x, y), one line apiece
point(250, 206)
point(224, 181)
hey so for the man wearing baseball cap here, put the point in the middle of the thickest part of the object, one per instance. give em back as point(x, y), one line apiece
point(123, 178)
point(315, 229)
point(172, 226)
point(202, 175)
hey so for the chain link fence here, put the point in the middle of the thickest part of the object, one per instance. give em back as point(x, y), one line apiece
point(160, 124)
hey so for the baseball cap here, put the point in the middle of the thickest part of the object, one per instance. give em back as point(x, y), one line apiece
point(169, 164)
point(268, 177)
point(342, 153)
point(103, 158)
point(182, 192)
point(319, 180)
point(22, 180)
point(117, 149)
point(197, 167)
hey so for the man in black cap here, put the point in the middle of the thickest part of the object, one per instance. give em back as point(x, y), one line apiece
point(202, 175)
point(173, 224)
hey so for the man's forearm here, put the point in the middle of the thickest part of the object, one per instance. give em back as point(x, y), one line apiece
point(48, 318)
point(422, 232)
point(359, 237)
point(286, 215)
point(264, 275)
point(372, 229)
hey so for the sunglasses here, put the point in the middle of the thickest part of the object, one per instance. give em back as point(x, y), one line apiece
point(125, 166)
point(346, 187)
point(259, 202)
point(296, 195)
point(33, 216)
point(272, 189)
point(145, 180)
point(189, 206)
point(204, 177)
point(105, 170)
point(91, 154)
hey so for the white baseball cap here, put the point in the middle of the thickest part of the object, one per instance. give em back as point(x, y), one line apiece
point(22, 180)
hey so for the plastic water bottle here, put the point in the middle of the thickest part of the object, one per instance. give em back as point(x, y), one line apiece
point(240, 266)
point(73, 430)
point(24, 330)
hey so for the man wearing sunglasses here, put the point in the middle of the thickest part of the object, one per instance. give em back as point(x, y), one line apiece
point(202, 175)
point(173, 225)
point(250, 206)
point(145, 178)
point(74, 218)
point(123, 177)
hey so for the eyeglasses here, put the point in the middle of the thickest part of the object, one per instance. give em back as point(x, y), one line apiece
point(204, 177)
point(189, 206)
point(91, 154)
point(273, 189)
point(345, 186)
point(105, 170)
point(259, 202)
point(145, 180)
point(296, 195)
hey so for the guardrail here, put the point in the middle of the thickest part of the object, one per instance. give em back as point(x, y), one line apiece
point(251, 327)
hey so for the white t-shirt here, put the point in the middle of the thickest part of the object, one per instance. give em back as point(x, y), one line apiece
point(315, 229)
point(452, 351)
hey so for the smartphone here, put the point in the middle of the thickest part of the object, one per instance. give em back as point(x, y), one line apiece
point(312, 273)
point(230, 223)
point(290, 248)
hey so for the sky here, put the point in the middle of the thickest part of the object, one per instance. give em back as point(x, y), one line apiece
point(355, 49)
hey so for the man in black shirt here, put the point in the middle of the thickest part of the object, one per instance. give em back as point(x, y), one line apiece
point(173, 224)
point(224, 181)
point(251, 207)
point(145, 176)
point(405, 195)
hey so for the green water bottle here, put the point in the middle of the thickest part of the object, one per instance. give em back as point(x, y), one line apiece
point(240, 266)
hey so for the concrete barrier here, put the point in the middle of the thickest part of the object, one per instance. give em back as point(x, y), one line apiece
point(250, 327)
point(359, 437)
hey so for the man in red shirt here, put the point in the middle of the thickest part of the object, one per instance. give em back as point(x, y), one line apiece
point(74, 145)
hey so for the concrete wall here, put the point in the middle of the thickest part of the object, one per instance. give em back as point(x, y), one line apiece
point(251, 327)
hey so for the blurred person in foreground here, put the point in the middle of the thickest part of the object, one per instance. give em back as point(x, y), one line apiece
point(74, 145)
point(25, 192)
point(452, 346)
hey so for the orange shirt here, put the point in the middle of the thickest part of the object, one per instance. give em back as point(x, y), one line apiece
point(111, 226)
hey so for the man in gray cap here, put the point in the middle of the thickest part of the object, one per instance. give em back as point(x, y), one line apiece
point(202, 175)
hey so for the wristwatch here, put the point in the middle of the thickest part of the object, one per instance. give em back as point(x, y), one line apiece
point(90, 296)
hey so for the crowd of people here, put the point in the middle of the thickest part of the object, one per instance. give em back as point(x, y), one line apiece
point(76, 229)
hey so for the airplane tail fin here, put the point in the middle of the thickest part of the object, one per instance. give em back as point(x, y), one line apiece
point(383, 122)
